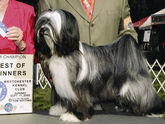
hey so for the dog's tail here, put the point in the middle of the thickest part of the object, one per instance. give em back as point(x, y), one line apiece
point(132, 80)
point(129, 60)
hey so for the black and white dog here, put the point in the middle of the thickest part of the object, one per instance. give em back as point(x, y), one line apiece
point(84, 75)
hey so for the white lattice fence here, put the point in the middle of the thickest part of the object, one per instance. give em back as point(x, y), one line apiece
point(40, 77)
point(43, 81)
point(158, 73)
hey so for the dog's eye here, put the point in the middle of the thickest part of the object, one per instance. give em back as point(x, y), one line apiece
point(46, 34)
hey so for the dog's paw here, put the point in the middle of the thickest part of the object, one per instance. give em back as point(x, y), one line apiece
point(57, 110)
point(155, 115)
point(120, 109)
point(69, 117)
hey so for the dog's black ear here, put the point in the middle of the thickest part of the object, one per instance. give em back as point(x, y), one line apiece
point(41, 44)
point(69, 36)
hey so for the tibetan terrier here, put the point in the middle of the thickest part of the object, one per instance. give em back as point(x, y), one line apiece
point(84, 75)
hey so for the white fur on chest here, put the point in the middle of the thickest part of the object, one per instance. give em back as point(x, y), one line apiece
point(61, 81)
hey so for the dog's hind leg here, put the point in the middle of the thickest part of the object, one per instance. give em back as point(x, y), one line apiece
point(132, 79)
point(141, 97)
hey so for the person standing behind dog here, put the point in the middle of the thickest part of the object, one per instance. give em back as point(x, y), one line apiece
point(100, 21)
point(20, 20)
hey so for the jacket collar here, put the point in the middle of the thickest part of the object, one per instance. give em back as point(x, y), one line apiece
point(78, 7)
point(99, 4)
point(11, 12)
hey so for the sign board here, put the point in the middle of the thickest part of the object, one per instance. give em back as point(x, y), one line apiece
point(158, 19)
point(16, 83)
point(147, 36)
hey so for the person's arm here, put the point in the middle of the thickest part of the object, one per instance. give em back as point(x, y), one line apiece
point(126, 26)
point(29, 33)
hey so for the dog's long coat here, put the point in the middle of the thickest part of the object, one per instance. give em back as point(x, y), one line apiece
point(85, 75)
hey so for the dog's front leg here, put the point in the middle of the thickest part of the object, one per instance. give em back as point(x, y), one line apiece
point(69, 117)
point(77, 112)
point(57, 110)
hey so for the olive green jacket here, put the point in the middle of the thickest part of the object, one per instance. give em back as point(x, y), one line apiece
point(107, 21)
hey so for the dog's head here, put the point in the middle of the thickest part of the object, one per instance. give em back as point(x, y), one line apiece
point(56, 32)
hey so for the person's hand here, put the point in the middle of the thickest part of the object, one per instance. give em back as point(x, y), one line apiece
point(16, 34)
